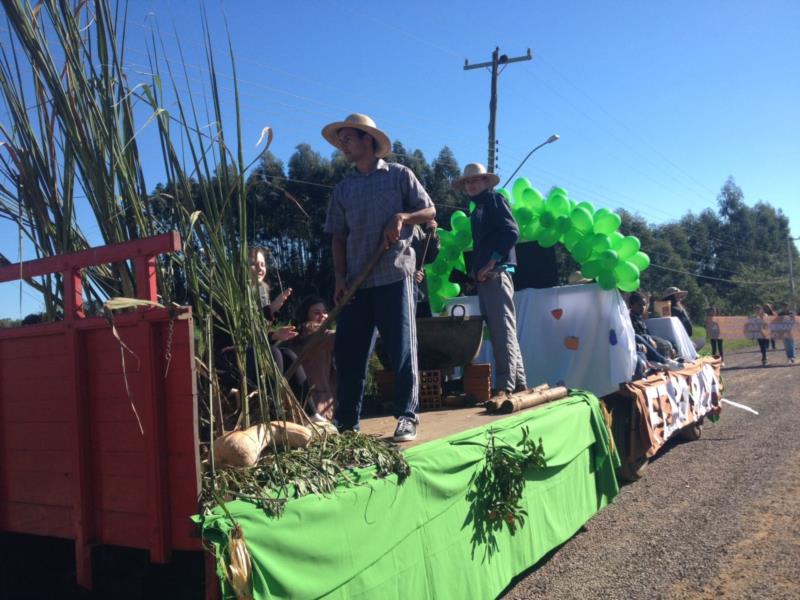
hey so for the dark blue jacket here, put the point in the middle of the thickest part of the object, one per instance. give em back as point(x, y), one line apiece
point(494, 231)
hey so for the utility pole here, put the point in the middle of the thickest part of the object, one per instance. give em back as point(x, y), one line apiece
point(497, 60)
point(791, 269)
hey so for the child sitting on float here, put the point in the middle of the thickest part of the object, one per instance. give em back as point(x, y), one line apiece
point(283, 356)
point(318, 360)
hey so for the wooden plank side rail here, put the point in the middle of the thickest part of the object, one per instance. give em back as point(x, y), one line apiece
point(89, 405)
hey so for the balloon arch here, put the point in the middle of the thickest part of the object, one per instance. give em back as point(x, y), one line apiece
point(591, 237)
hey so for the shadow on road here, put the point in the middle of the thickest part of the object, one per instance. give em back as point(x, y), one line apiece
point(747, 367)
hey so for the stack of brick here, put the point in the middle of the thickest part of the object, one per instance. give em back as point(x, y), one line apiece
point(477, 381)
point(430, 388)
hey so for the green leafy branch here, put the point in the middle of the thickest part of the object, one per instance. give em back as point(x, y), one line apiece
point(497, 488)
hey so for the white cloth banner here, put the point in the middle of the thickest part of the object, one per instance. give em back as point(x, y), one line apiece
point(670, 328)
point(695, 392)
point(576, 335)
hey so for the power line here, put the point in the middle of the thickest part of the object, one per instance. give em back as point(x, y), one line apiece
point(769, 282)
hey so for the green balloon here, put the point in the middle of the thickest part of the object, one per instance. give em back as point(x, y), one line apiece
point(581, 219)
point(609, 260)
point(463, 239)
point(629, 286)
point(449, 289)
point(460, 264)
point(528, 232)
point(615, 239)
point(626, 271)
point(588, 206)
point(641, 260)
point(571, 238)
point(628, 247)
point(506, 194)
point(558, 191)
point(606, 280)
point(434, 283)
point(518, 189)
point(563, 225)
point(547, 220)
point(557, 205)
point(459, 221)
point(591, 269)
point(446, 238)
point(439, 266)
point(548, 238)
point(451, 252)
point(436, 302)
point(606, 221)
point(600, 243)
point(523, 214)
point(582, 250)
point(534, 199)
point(471, 207)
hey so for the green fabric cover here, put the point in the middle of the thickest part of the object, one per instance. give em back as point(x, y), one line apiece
point(378, 539)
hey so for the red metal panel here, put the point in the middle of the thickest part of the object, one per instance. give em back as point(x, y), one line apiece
point(75, 429)
point(42, 461)
point(39, 341)
point(31, 487)
point(35, 436)
point(36, 519)
point(114, 253)
point(120, 492)
point(123, 529)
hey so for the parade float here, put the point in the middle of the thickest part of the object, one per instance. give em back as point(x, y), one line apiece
point(116, 428)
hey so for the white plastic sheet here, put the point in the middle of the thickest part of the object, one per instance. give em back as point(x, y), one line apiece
point(670, 328)
point(576, 335)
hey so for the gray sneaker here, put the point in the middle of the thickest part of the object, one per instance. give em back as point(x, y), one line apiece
point(406, 430)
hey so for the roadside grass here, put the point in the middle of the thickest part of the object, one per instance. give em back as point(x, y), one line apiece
point(729, 345)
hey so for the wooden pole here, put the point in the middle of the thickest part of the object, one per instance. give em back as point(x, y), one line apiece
point(523, 401)
point(315, 338)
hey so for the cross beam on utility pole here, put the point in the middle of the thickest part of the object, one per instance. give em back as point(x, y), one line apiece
point(497, 60)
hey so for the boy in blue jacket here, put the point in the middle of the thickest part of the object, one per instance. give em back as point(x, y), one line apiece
point(494, 234)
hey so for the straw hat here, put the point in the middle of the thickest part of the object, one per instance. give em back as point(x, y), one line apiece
point(472, 171)
point(673, 291)
point(577, 277)
point(362, 123)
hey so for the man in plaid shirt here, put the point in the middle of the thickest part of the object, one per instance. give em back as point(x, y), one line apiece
point(377, 203)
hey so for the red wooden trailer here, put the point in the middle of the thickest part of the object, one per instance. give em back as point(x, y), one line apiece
point(91, 448)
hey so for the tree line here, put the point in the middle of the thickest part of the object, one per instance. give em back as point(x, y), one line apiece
point(731, 257)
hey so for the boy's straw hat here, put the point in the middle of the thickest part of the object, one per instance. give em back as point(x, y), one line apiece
point(472, 171)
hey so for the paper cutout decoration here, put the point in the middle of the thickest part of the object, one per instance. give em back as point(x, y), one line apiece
point(557, 312)
point(571, 342)
point(612, 337)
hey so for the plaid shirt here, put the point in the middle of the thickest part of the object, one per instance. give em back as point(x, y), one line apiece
point(360, 208)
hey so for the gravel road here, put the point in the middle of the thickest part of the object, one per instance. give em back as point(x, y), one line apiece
point(714, 518)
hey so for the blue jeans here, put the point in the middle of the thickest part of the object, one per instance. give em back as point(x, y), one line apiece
point(788, 346)
point(650, 350)
point(391, 309)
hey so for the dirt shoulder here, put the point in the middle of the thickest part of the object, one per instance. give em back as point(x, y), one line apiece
point(715, 518)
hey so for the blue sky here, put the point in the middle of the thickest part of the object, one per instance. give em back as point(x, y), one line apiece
point(656, 103)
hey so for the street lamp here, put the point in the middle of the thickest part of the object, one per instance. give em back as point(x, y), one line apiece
point(553, 138)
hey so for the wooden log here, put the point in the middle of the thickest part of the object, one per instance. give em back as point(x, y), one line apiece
point(522, 401)
point(242, 448)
